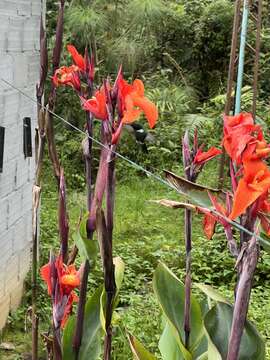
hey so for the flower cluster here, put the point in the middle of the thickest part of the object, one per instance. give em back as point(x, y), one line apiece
point(194, 158)
point(128, 100)
point(245, 144)
point(61, 281)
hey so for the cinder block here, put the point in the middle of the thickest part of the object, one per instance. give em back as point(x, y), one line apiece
point(8, 7)
point(24, 262)
point(15, 34)
point(16, 296)
point(4, 309)
point(24, 8)
point(26, 197)
point(15, 206)
point(12, 274)
point(6, 245)
point(20, 70)
point(36, 8)
point(8, 178)
point(4, 211)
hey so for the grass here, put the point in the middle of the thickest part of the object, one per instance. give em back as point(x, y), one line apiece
point(145, 234)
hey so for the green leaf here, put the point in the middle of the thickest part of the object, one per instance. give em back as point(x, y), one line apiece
point(265, 242)
point(170, 293)
point(218, 323)
point(198, 194)
point(67, 339)
point(138, 350)
point(88, 249)
point(168, 346)
point(91, 340)
point(211, 293)
point(119, 276)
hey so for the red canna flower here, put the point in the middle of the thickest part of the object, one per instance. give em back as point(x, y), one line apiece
point(77, 58)
point(61, 280)
point(202, 157)
point(67, 76)
point(134, 102)
point(97, 105)
point(255, 182)
point(231, 123)
point(210, 218)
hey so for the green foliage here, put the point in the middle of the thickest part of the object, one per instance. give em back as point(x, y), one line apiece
point(91, 340)
point(218, 322)
point(214, 326)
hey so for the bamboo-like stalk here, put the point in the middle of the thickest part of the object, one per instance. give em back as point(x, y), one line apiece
point(188, 244)
point(231, 72)
point(39, 151)
point(51, 102)
point(87, 151)
point(109, 277)
point(247, 265)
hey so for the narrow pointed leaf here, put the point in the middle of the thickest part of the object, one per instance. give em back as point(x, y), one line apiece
point(212, 293)
point(218, 323)
point(88, 248)
point(138, 350)
point(198, 194)
point(174, 204)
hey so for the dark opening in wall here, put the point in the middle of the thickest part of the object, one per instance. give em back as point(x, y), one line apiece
point(2, 142)
point(27, 137)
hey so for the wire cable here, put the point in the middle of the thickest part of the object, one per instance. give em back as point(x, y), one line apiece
point(132, 163)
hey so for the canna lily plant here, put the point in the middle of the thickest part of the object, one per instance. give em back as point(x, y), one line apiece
point(227, 332)
point(114, 105)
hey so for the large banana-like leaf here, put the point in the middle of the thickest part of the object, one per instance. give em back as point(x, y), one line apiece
point(170, 293)
point(218, 323)
point(138, 350)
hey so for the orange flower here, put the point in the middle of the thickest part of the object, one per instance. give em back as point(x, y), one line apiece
point(237, 134)
point(202, 157)
point(97, 104)
point(255, 182)
point(231, 123)
point(77, 58)
point(134, 102)
point(61, 280)
point(67, 76)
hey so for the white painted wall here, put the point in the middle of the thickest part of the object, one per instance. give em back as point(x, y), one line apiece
point(19, 65)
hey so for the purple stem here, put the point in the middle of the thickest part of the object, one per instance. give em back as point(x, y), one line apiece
point(247, 267)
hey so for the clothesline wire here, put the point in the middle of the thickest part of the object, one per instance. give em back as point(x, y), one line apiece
point(130, 162)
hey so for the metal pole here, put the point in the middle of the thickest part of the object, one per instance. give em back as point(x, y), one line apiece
point(241, 57)
point(257, 58)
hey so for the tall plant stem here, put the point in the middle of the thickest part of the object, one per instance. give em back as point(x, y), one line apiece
point(247, 268)
point(188, 243)
point(109, 277)
point(77, 340)
point(83, 288)
point(40, 139)
point(36, 200)
point(230, 83)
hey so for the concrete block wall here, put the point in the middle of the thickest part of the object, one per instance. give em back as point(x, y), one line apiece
point(19, 65)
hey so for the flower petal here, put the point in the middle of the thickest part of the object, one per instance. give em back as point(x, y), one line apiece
point(77, 58)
